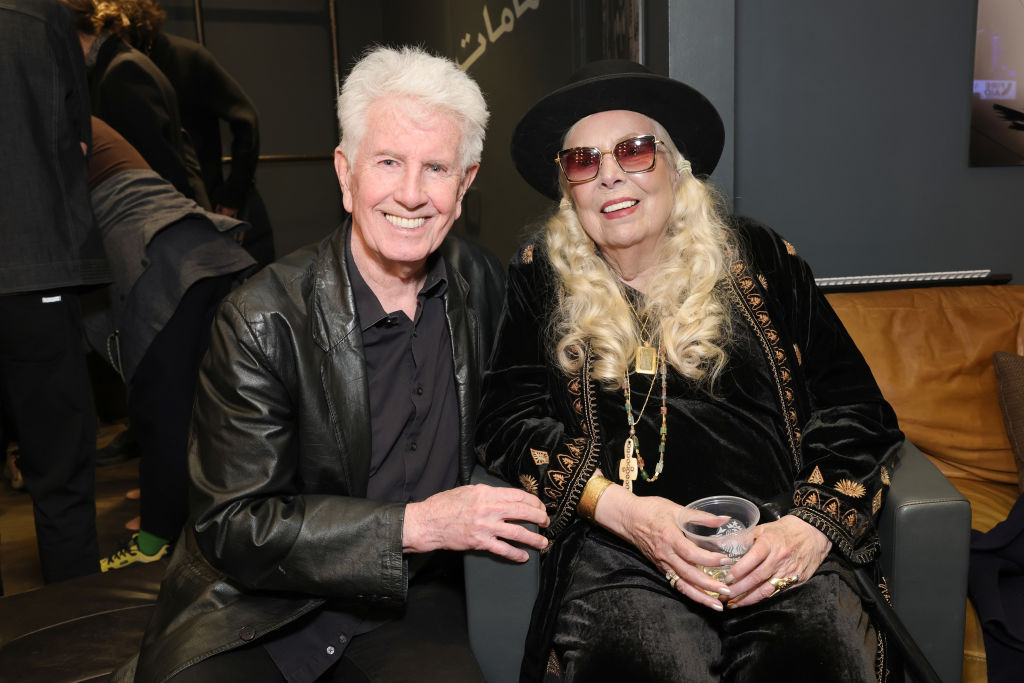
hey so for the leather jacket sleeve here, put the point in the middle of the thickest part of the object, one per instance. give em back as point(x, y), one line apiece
point(255, 514)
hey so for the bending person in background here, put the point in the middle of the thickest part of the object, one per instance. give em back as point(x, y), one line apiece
point(172, 262)
point(207, 96)
point(736, 378)
point(131, 94)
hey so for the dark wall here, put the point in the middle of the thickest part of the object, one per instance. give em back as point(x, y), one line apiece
point(281, 54)
point(847, 123)
point(851, 133)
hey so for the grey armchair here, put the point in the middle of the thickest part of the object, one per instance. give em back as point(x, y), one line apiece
point(925, 534)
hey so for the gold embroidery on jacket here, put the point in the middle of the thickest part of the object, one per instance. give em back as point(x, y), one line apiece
point(799, 356)
point(539, 457)
point(752, 305)
point(853, 489)
point(876, 502)
point(790, 249)
point(885, 476)
point(527, 255)
point(529, 483)
point(828, 513)
point(554, 667)
point(568, 473)
point(816, 477)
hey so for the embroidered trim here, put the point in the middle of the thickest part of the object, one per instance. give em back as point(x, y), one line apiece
point(790, 249)
point(752, 305)
point(527, 255)
point(842, 526)
point(876, 502)
point(568, 475)
point(539, 457)
point(884, 473)
point(554, 666)
point(816, 477)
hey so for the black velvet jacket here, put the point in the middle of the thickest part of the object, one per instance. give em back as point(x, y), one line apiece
point(280, 456)
point(796, 423)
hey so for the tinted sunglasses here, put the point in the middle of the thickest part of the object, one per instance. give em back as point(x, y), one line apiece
point(633, 155)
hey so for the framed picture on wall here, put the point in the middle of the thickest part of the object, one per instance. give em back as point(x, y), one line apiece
point(997, 101)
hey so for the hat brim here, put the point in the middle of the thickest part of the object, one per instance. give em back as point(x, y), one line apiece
point(690, 119)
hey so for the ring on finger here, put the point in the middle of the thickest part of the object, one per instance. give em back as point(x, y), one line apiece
point(672, 577)
point(781, 583)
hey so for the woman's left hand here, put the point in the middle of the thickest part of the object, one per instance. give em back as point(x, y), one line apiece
point(786, 548)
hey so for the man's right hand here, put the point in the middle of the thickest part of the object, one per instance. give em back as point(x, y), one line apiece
point(476, 517)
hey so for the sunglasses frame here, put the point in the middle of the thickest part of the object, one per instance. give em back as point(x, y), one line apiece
point(602, 153)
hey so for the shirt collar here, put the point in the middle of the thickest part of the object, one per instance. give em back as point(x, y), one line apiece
point(368, 308)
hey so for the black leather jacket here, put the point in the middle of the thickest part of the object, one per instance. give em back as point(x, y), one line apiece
point(280, 454)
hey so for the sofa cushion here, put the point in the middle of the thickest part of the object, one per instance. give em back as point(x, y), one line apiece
point(931, 352)
point(1010, 373)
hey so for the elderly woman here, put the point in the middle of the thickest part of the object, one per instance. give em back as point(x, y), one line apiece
point(654, 351)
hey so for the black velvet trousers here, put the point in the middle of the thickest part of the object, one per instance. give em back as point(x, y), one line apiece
point(47, 397)
point(620, 621)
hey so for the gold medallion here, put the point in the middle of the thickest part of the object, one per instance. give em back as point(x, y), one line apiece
point(646, 360)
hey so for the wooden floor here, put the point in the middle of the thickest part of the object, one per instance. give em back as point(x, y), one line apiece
point(19, 559)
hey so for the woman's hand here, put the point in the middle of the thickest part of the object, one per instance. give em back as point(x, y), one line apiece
point(649, 523)
point(788, 547)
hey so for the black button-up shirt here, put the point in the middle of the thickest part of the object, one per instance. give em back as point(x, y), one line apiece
point(414, 423)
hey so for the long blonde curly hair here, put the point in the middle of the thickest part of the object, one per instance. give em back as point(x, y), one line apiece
point(684, 301)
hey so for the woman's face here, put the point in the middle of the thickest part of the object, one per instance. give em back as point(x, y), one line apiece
point(622, 211)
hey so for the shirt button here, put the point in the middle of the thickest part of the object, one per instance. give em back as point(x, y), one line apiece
point(419, 391)
point(413, 446)
point(342, 639)
point(330, 649)
point(247, 633)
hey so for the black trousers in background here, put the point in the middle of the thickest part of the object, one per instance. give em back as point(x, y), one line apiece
point(160, 396)
point(429, 644)
point(46, 394)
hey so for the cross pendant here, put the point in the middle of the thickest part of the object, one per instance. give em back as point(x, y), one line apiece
point(628, 470)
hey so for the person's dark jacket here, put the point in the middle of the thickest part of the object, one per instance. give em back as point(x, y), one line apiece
point(207, 95)
point(280, 457)
point(131, 94)
point(46, 226)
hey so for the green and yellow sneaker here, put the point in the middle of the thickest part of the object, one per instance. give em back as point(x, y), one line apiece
point(129, 553)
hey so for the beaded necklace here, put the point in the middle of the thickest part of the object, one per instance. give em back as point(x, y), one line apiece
point(632, 462)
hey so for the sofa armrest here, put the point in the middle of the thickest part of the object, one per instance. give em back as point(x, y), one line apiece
point(499, 603)
point(925, 536)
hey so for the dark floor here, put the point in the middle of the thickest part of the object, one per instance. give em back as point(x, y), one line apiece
point(19, 560)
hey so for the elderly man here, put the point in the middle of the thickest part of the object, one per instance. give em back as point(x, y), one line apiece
point(334, 418)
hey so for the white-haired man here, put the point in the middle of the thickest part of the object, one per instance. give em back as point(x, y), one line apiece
point(334, 419)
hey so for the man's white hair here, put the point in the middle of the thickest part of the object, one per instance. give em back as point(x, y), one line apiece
point(435, 83)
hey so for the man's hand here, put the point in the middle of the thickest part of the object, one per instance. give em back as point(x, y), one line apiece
point(475, 517)
point(226, 211)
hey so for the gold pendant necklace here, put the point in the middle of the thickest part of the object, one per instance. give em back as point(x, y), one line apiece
point(646, 361)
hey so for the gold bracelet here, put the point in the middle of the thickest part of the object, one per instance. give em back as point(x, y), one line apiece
point(592, 493)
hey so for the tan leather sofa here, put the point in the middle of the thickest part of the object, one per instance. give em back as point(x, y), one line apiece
point(931, 352)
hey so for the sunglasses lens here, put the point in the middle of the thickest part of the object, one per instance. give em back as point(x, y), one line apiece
point(636, 154)
point(580, 163)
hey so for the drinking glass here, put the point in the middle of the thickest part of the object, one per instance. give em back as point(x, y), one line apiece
point(732, 537)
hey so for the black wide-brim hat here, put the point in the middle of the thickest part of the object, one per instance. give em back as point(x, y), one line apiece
point(690, 119)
